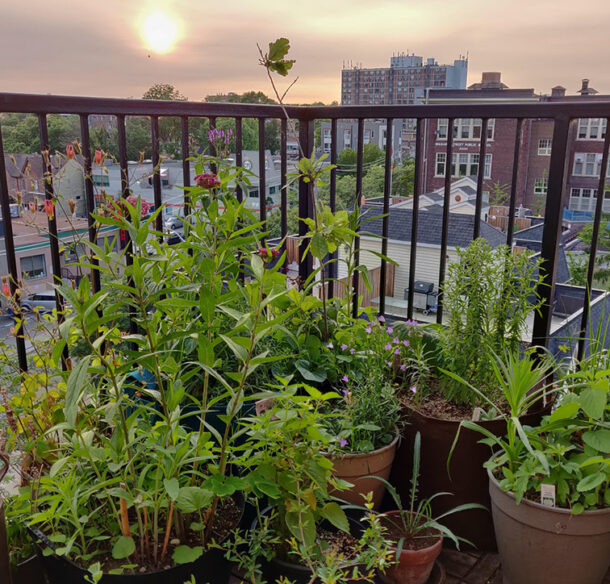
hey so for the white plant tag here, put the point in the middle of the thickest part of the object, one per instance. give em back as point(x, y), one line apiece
point(547, 495)
point(476, 414)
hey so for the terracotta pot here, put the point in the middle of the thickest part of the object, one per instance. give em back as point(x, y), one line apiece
point(468, 481)
point(353, 468)
point(544, 544)
point(414, 566)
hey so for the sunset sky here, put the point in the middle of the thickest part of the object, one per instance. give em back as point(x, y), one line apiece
point(104, 48)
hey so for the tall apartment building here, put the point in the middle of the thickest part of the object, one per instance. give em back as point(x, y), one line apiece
point(404, 81)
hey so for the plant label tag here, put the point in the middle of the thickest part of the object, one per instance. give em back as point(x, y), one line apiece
point(547, 495)
point(262, 405)
point(476, 414)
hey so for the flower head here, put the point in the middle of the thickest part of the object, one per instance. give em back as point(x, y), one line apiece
point(368, 330)
point(207, 180)
point(381, 318)
point(70, 151)
point(403, 367)
point(390, 330)
point(388, 363)
point(345, 378)
point(330, 345)
point(49, 208)
point(413, 389)
point(388, 347)
point(352, 351)
point(343, 443)
point(98, 156)
point(396, 351)
point(6, 289)
point(405, 343)
point(395, 341)
point(345, 392)
point(343, 346)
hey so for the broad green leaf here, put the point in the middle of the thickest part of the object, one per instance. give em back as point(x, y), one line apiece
point(590, 482)
point(257, 265)
point(278, 49)
point(598, 439)
point(565, 411)
point(172, 487)
point(333, 513)
point(191, 499)
point(319, 248)
point(184, 554)
point(58, 465)
point(302, 526)
point(123, 547)
point(240, 352)
point(75, 388)
point(593, 402)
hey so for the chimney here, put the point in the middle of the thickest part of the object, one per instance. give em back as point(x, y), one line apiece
point(585, 89)
point(558, 91)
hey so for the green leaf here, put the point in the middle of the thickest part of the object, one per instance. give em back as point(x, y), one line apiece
point(207, 305)
point(333, 513)
point(191, 499)
point(565, 411)
point(123, 547)
point(304, 530)
point(240, 352)
point(184, 554)
point(278, 49)
point(58, 465)
point(172, 487)
point(75, 388)
point(590, 482)
point(257, 265)
point(319, 248)
point(598, 439)
point(593, 402)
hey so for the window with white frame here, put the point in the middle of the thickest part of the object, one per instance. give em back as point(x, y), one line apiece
point(544, 146)
point(347, 138)
point(592, 128)
point(586, 200)
point(462, 165)
point(587, 164)
point(464, 129)
point(327, 139)
point(367, 137)
point(541, 186)
point(33, 266)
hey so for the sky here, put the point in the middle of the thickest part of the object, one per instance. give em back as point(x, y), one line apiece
point(99, 49)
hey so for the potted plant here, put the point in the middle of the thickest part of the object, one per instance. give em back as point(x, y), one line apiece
point(487, 298)
point(304, 534)
point(550, 483)
point(417, 536)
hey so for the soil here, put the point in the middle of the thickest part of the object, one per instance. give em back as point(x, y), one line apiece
point(227, 517)
point(338, 542)
point(435, 405)
point(395, 532)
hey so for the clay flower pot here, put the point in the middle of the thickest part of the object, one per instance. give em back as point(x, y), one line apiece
point(414, 566)
point(358, 468)
point(545, 544)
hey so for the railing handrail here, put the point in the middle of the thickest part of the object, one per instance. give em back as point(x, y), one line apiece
point(63, 104)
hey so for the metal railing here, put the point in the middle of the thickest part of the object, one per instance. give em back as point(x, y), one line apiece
point(563, 114)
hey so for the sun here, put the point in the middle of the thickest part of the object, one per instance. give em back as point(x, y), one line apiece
point(160, 32)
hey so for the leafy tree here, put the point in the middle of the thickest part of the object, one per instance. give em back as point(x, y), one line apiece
point(347, 158)
point(403, 178)
point(498, 193)
point(164, 92)
point(578, 263)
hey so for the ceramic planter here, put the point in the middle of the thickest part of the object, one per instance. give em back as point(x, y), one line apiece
point(543, 544)
point(468, 480)
point(353, 468)
point(414, 566)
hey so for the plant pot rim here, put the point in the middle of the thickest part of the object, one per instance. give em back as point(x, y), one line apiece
point(367, 454)
point(407, 550)
point(529, 503)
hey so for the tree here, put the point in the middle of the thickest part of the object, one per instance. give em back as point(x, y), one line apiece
point(403, 178)
point(347, 158)
point(578, 263)
point(498, 193)
point(164, 92)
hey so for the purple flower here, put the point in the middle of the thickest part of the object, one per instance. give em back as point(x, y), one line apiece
point(343, 443)
point(414, 389)
point(345, 378)
point(352, 351)
point(343, 346)
point(388, 363)
point(330, 345)
point(381, 318)
point(405, 343)
point(390, 330)
point(395, 340)
point(388, 347)
point(396, 351)
point(403, 367)
point(368, 330)
point(345, 392)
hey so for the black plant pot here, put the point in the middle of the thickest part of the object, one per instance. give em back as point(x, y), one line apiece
point(212, 568)
point(30, 571)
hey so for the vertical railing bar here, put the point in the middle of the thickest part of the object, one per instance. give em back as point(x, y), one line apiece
point(185, 152)
point(156, 162)
point(513, 187)
point(122, 139)
point(333, 271)
point(212, 148)
point(594, 239)
point(89, 198)
point(551, 230)
point(445, 227)
point(238, 155)
point(305, 202)
point(387, 188)
point(283, 188)
point(421, 124)
point(262, 183)
point(480, 179)
point(49, 193)
point(11, 258)
point(357, 205)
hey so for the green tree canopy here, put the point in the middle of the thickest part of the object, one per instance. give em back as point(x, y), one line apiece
point(164, 92)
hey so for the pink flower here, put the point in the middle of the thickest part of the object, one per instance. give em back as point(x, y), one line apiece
point(343, 443)
point(388, 363)
point(330, 345)
point(381, 318)
point(397, 351)
point(207, 180)
point(388, 347)
point(345, 378)
point(343, 346)
point(368, 330)
point(403, 367)
point(405, 343)
point(346, 392)
point(70, 151)
point(352, 351)
point(414, 389)
point(6, 289)
point(395, 340)
point(390, 330)
point(98, 156)
point(49, 208)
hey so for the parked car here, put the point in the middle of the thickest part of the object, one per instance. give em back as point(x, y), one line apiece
point(174, 222)
point(43, 301)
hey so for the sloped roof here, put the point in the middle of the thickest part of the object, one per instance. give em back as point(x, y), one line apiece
point(429, 227)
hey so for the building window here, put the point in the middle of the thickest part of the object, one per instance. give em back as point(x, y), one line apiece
point(272, 190)
point(541, 186)
point(101, 180)
point(592, 129)
point(327, 140)
point(464, 129)
point(586, 200)
point(33, 267)
point(462, 165)
point(347, 138)
point(367, 137)
point(587, 164)
point(544, 147)
point(253, 193)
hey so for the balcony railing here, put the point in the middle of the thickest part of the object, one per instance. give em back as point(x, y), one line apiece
point(563, 114)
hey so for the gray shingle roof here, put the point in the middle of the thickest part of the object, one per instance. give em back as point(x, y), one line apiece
point(429, 227)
